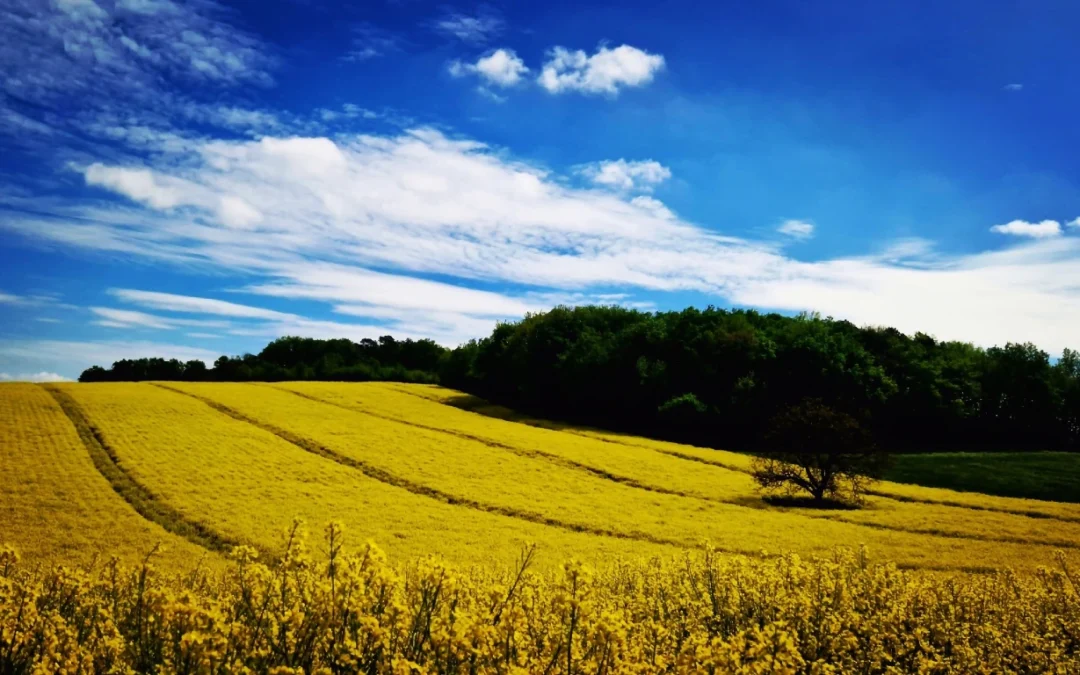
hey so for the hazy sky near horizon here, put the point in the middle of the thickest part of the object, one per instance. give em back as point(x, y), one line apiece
point(187, 179)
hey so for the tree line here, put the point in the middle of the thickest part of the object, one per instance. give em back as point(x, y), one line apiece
point(293, 358)
point(710, 376)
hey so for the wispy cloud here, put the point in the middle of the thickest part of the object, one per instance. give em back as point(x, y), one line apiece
point(69, 357)
point(170, 302)
point(334, 209)
point(604, 72)
point(371, 42)
point(471, 28)
point(1013, 86)
point(796, 229)
point(41, 376)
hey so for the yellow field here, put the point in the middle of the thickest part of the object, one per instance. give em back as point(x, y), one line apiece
point(213, 465)
point(54, 505)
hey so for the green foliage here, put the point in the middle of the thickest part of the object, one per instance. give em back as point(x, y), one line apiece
point(294, 358)
point(621, 368)
point(815, 449)
point(1053, 476)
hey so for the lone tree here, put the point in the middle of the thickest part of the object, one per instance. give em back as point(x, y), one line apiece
point(811, 447)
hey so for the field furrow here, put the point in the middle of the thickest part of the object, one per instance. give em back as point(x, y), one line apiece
point(472, 470)
point(389, 478)
point(661, 469)
point(247, 483)
point(55, 504)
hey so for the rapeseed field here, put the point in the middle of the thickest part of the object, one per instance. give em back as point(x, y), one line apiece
point(649, 465)
point(469, 469)
point(55, 506)
point(639, 555)
point(343, 612)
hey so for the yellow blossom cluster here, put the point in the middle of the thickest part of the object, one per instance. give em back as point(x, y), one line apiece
point(341, 612)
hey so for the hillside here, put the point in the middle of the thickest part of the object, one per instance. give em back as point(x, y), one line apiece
point(206, 466)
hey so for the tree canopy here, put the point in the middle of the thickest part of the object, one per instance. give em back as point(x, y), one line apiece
point(294, 358)
point(717, 377)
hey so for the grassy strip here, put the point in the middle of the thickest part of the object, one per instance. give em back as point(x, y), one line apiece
point(1051, 476)
point(145, 502)
point(389, 478)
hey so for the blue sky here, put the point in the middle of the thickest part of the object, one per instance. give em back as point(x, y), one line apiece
point(191, 179)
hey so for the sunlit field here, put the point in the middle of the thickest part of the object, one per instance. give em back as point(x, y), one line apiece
point(228, 464)
point(667, 538)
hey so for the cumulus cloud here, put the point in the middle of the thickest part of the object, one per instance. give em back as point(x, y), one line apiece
point(604, 72)
point(1022, 228)
point(1075, 222)
point(623, 175)
point(471, 28)
point(501, 68)
point(796, 229)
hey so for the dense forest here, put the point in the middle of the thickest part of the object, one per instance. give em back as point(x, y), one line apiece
point(713, 376)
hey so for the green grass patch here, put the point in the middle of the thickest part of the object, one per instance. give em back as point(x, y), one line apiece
point(1053, 476)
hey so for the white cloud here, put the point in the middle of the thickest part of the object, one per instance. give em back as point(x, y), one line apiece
point(194, 305)
point(623, 175)
point(797, 229)
point(1073, 223)
point(236, 212)
point(1022, 228)
point(119, 318)
point(604, 72)
point(82, 51)
point(42, 376)
point(474, 29)
point(233, 117)
point(501, 68)
point(124, 318)
point(9, 299)
point(421, 204)
point(1014, 86)
point(138, 184)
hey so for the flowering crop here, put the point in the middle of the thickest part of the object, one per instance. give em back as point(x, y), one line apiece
point(645, 463)
point(53, 503)
point(695, 613)
point(475, 468)
point(244, 483)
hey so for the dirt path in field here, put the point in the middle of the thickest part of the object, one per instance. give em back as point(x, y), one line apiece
point(634, 483)
point(540, 424)
point(389, 478)
point(146, 503)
